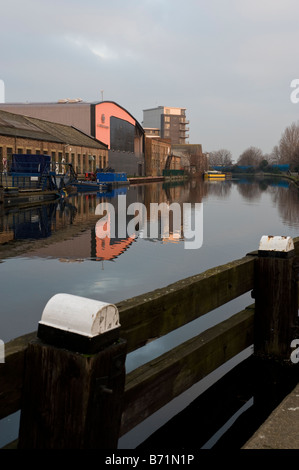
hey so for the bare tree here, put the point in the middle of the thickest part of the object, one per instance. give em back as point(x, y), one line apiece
point(274, 156)
point(289, 145)
point(251, 156)
point(221, 157)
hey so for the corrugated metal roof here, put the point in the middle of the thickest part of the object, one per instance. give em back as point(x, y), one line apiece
point(18, 125)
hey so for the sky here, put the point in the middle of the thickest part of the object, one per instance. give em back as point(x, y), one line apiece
point(229, 63)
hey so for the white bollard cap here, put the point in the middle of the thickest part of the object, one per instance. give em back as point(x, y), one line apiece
point(78, 317)
point(276, 244)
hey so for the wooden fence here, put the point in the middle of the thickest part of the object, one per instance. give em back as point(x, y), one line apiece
point(271, 279)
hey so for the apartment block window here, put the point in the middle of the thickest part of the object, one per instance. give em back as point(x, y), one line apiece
point(19, 151)
point(28, 151)
point(37, 152)
point(167, 119)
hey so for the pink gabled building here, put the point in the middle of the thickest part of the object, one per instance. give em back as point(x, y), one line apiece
point(107, 121)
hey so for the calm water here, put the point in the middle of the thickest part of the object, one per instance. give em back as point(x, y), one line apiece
point(55, 248)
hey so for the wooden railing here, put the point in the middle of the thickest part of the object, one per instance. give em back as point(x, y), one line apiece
point(153, 315)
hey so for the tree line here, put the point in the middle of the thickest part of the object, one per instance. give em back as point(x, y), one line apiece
point(285, 152)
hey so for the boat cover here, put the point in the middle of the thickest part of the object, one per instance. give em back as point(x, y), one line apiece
point(30, 163)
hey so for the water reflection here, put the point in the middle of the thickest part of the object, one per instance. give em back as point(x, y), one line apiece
point(75, 231)
point(59, 247)
point(35, 222)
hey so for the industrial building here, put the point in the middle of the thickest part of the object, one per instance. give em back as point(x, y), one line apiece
point(106, 121)
point(26, 135)
point(167, 123)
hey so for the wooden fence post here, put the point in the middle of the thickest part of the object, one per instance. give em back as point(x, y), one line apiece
point(74, 377)
point(276, 299)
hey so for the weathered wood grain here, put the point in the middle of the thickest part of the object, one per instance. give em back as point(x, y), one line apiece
point(157, 313)
point(154, 384)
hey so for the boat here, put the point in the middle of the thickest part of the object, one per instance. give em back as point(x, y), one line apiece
point(215, 175)
point(32, 179)
point(28, 180)
point(104, 181)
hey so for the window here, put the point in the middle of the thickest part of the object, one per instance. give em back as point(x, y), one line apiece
point(9, 156)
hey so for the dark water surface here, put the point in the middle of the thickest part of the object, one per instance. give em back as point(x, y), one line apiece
point(55, 249)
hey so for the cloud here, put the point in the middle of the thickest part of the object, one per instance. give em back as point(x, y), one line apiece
point(233, 59)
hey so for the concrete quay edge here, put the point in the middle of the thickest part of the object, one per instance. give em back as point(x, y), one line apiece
point(281, 428)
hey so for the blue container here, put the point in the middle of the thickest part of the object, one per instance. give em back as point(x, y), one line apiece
point(111, 177)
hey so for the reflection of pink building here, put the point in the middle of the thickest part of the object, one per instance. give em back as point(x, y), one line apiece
point(106, 121)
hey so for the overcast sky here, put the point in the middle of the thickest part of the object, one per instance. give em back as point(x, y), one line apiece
point(230, 63)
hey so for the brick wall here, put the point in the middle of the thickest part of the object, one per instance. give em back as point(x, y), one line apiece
point(83, 159)
point(156, 151)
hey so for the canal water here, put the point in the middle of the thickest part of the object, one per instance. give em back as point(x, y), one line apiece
point(60, 248)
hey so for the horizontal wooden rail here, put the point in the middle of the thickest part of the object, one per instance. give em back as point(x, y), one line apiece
point(157, 313)
point(11, 375)
point(145, 317)
point(153, 315)
point(154, 384)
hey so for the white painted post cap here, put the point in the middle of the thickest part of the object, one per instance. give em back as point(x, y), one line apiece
point(80, 315)
point(276, 243)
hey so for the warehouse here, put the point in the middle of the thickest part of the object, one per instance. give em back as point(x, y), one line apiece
point(26, 135)
point(108, 122)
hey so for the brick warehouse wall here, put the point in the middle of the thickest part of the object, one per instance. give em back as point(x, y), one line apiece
point(83, 159)
point(156, 151)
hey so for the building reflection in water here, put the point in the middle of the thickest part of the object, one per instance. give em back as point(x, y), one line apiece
point(75, 232)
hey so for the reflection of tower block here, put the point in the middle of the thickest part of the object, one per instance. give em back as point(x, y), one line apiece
point(168, 161)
